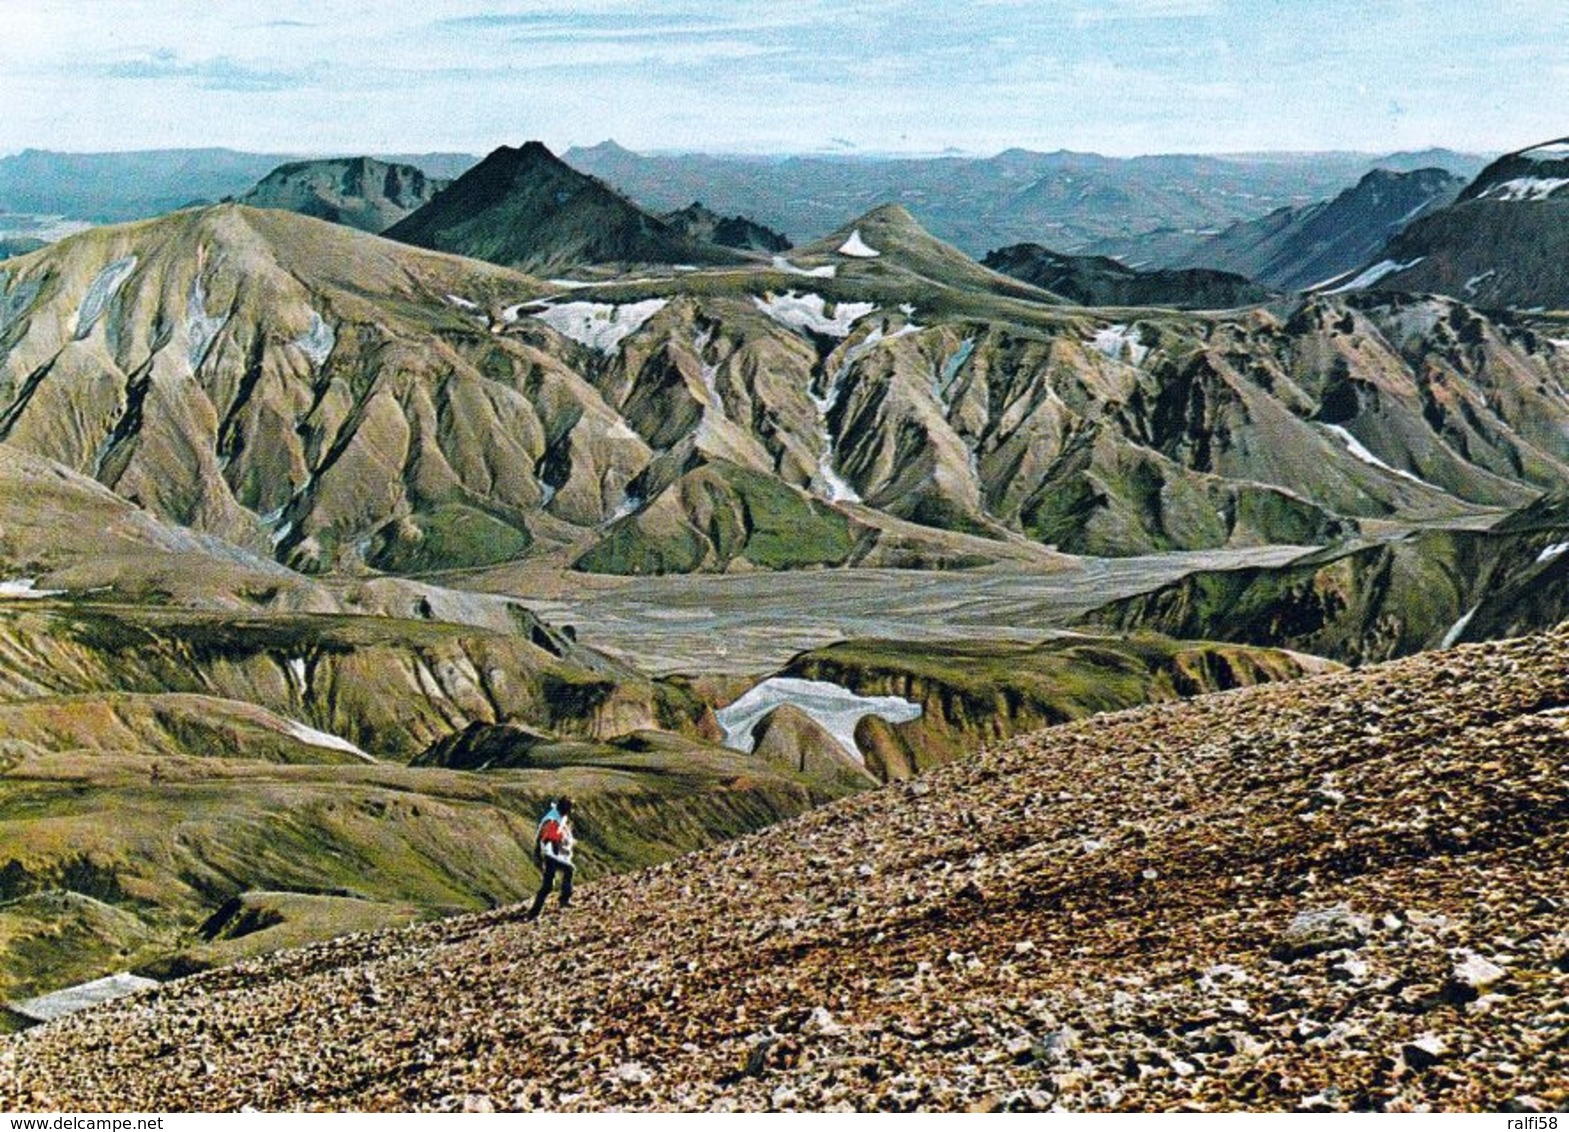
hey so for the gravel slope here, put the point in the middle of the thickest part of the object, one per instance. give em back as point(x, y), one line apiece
point(1346, 892)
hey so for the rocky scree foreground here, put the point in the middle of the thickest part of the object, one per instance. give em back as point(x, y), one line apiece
point(1347, 892)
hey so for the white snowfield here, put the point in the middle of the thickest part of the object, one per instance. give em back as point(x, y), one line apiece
point(857, 247)
point(314, 738)
point(25, 587)
point(835, 708)
point(810, 312)
point(1121, 344)
point(1476, 281)
point(48, 1007)
point(1458, 627)
point(201, 328)
point(1551, 552)
point(599, 326)
point(1525, 188)
point(318, 341)
point(1359, 450)
point(100, 292)
point(1374, 274)
point(827, 271)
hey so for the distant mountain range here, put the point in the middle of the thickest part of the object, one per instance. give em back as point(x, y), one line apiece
point(1062, 200)
point(1299, 247)
point(361, 192)
point(705, 225)
point(1101, 282)
point(108, 187)
point(1066, 201)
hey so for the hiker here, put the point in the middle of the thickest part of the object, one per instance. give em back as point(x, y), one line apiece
point(553, 854)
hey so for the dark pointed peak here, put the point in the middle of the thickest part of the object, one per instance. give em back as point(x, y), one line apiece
point(530, 153)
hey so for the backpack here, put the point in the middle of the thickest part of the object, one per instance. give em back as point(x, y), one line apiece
point(549, 830)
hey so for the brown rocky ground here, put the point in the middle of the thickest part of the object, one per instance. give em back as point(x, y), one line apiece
point(1347, 892)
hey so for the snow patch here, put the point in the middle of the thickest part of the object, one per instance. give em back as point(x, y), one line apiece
point(1458, 627)
point(463, 304)
point(599, 326)
point(99, 293)
point(835, 487)
point(1373, 274)
point(1121, 344)
point(630, 504)
point(1525, 188)
point(827, 271)
point(57, 1004)
point(25, 587)
point(710, 371)
point(324, 739)
point(1551, 552)
point(1476, 281)
point(1412, 215)
point(810, 312)
point(835, 708)
point(1358, 450)
point(951, 367)
point(317, 342)
point(201, 328)
point(857, 247)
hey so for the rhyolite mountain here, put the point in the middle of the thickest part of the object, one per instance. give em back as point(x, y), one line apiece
point(337, 401)
point(1065, 199)
point(1503, 243)
point(1099, 281)
point(525, 208)
point(888, 247)
point(361, 192)
point(1298, 247)
point(696, 222)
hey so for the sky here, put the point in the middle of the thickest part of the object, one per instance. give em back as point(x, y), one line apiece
point(1117, 77)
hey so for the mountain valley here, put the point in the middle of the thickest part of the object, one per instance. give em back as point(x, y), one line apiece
point(971, 675)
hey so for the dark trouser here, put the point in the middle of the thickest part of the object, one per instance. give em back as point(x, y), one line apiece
point(548, 878)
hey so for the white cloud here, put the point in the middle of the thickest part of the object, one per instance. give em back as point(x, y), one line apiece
point(1115, 76)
